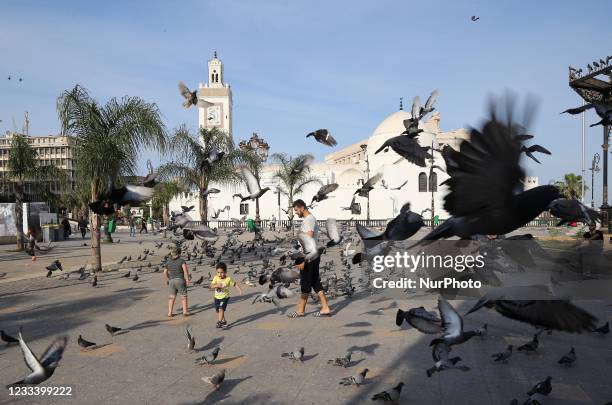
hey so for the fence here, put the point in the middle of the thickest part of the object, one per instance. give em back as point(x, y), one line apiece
point(349, 223)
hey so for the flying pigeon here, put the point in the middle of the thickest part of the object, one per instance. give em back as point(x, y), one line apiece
point(301, 163)
point(442, 362)
point(530, 346)
point(332, 232)
point(534, 148)
point(323, 192)
point(490, 161)
point(323, 136)
point(255, 191)
point(474, 18)
point(43, 368)
point(603, 110)
point(368, 186)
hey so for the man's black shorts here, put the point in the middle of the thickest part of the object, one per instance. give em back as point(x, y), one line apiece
point(309, 277)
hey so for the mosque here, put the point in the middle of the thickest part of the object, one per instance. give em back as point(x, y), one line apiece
point(349, 167)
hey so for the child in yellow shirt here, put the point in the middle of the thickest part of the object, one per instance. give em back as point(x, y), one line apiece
point(221, 284)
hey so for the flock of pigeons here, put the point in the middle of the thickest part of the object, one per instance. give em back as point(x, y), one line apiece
point(490, 160)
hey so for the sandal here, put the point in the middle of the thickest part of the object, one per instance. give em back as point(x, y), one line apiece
point(294, 314)
point(318, 314)
point(186, 315)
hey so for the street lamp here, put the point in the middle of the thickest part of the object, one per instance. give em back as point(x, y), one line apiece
point(594, 169)
point(260, 148)
point(364, 147)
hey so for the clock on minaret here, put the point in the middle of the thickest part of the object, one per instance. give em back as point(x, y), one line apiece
point(216, 111)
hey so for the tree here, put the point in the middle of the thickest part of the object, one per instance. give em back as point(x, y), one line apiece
point(165, 192)
point(571, 186)
point(23, 167)
point(189, 168)
point(109, 139)
point(292, 181)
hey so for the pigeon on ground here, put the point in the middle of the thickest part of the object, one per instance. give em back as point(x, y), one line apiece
point(94, 282)
point(43, 368)
point(55, 265)
point(442, 362)
point(530, 346)
point(216, 379)
point(542, 388)
point(297, 355)
point(85, 344)
point(503, 356)
point(490, 161)
point(190, 338)
point(199, 281)
point(341, 361)
point(135, 278)
point(128, 274)
point(323, 192)
point(323, 136)
point(111, 329)
point(211, 357)
point(569, 358)
point(355, 380)
point(9, 340)
point(391, 395)
point(253, 187)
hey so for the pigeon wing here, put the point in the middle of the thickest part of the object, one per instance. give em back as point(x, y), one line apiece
point(451, 321)
point(52, 356)
point(29, 357)
point(251, 181)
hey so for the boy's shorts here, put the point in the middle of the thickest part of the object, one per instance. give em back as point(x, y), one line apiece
point(177, 285)
point(221, 304)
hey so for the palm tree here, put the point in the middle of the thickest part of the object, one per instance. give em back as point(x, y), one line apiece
point(292, 182)
point(109, 138)
point(571, 186)
point(189, 168)
point(22, 168)
point(165, 192)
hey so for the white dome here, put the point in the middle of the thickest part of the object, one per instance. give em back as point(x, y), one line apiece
point(393, 124)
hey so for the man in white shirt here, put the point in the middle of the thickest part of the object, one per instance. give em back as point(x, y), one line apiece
point(309, 271)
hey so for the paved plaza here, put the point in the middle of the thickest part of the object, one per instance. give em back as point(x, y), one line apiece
point(149, 363)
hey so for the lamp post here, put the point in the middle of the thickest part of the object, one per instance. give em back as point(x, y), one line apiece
point(364, 147)
point(260, 148)
point(595, 86)
point(594, 169)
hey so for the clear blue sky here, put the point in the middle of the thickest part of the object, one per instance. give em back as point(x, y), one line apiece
point(299, 65)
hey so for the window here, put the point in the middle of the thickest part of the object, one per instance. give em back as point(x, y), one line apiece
point(244, 209)
point(433, 181)
point(422, 182)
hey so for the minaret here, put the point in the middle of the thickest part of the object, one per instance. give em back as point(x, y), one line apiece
point(217, 113)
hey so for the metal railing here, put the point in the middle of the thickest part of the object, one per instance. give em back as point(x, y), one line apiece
point(350, 223)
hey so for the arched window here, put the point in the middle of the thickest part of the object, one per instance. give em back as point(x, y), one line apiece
point(422, 182)
point(216, 77)
point(433, 181)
